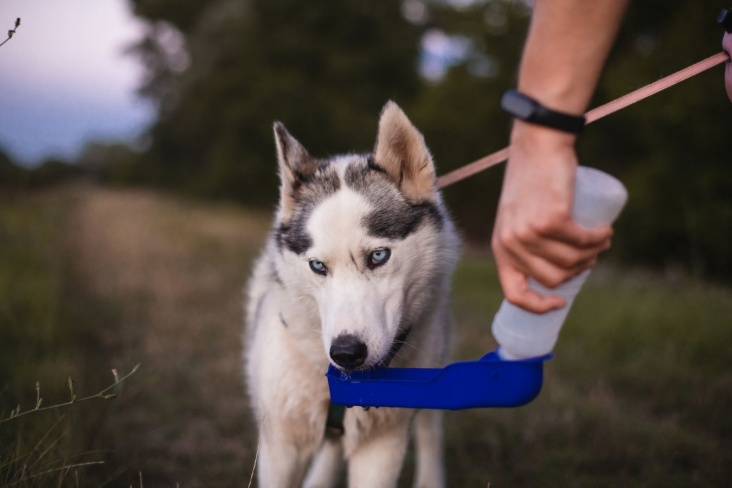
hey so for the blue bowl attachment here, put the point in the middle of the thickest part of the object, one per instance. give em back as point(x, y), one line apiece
point(487, 382)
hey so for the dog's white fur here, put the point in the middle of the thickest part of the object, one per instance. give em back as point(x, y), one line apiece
point(294, 314)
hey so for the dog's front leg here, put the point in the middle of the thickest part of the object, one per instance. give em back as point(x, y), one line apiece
point(326, 469)
point(281, 464)
point(428, 440)
point(378, 461)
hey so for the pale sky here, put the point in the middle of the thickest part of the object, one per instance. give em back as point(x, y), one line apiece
point(64, 78)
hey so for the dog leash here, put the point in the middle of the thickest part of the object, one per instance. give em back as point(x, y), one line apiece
point(593, 115)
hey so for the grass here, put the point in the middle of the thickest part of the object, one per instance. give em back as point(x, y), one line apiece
point(638, 394)
point(47, 335)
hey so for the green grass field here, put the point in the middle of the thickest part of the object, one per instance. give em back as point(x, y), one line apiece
point(639, 393)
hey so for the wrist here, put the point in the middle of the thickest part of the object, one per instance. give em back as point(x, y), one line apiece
point(566, 95)
point(540, 139)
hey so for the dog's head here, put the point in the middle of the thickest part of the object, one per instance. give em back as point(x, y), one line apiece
point(365, 239)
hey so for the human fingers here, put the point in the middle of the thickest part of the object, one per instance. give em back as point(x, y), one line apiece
point(574, 235)
point(523, 247)
point(516, 290)
point(562, 254)
point(549, 275)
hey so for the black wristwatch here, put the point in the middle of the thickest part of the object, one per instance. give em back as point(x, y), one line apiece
point(725, 19)
point(529, 110)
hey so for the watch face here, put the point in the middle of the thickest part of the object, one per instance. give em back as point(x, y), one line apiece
point(518, 105)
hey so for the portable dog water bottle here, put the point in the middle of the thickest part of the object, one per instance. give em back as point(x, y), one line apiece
point(598, 199)
point(509, 377)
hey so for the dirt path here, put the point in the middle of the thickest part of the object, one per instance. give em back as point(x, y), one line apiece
point(173, 273)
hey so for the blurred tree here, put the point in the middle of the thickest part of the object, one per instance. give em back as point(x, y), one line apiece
point(54, 171)
point(110, 162)
point(11, 175)
point(50, 172)
point(324, 68)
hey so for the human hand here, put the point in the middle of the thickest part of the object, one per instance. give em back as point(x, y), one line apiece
point(534, 234)
point(727, 46)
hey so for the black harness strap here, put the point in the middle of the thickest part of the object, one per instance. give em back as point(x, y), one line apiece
point(334, 423)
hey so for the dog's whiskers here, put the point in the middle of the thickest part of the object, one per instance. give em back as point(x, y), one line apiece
point(409, 344)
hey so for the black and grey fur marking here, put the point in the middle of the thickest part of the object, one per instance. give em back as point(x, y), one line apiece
point(398, 223)
point(399, 341)
point(274, 274)
point(309, 191)
point(293, 237)
point(371, 163)
point(392, 217)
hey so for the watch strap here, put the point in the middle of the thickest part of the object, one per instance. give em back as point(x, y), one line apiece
point(526, 108)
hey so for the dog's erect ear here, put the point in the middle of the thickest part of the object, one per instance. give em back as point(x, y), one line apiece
point(403, 154)
point(295, 166)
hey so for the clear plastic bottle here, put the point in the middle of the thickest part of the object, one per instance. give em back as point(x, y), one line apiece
point(598, 199)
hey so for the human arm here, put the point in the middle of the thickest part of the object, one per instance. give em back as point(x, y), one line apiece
point(534, 234)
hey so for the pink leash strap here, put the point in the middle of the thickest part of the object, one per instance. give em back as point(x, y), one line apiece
point(593, 115)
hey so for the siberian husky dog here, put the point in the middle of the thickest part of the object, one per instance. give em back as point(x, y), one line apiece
point(357, 273)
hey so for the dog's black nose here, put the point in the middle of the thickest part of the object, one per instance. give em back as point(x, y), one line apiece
point(348, 351)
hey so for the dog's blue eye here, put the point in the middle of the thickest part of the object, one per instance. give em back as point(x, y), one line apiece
point(380, 257)
point(318, 267)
